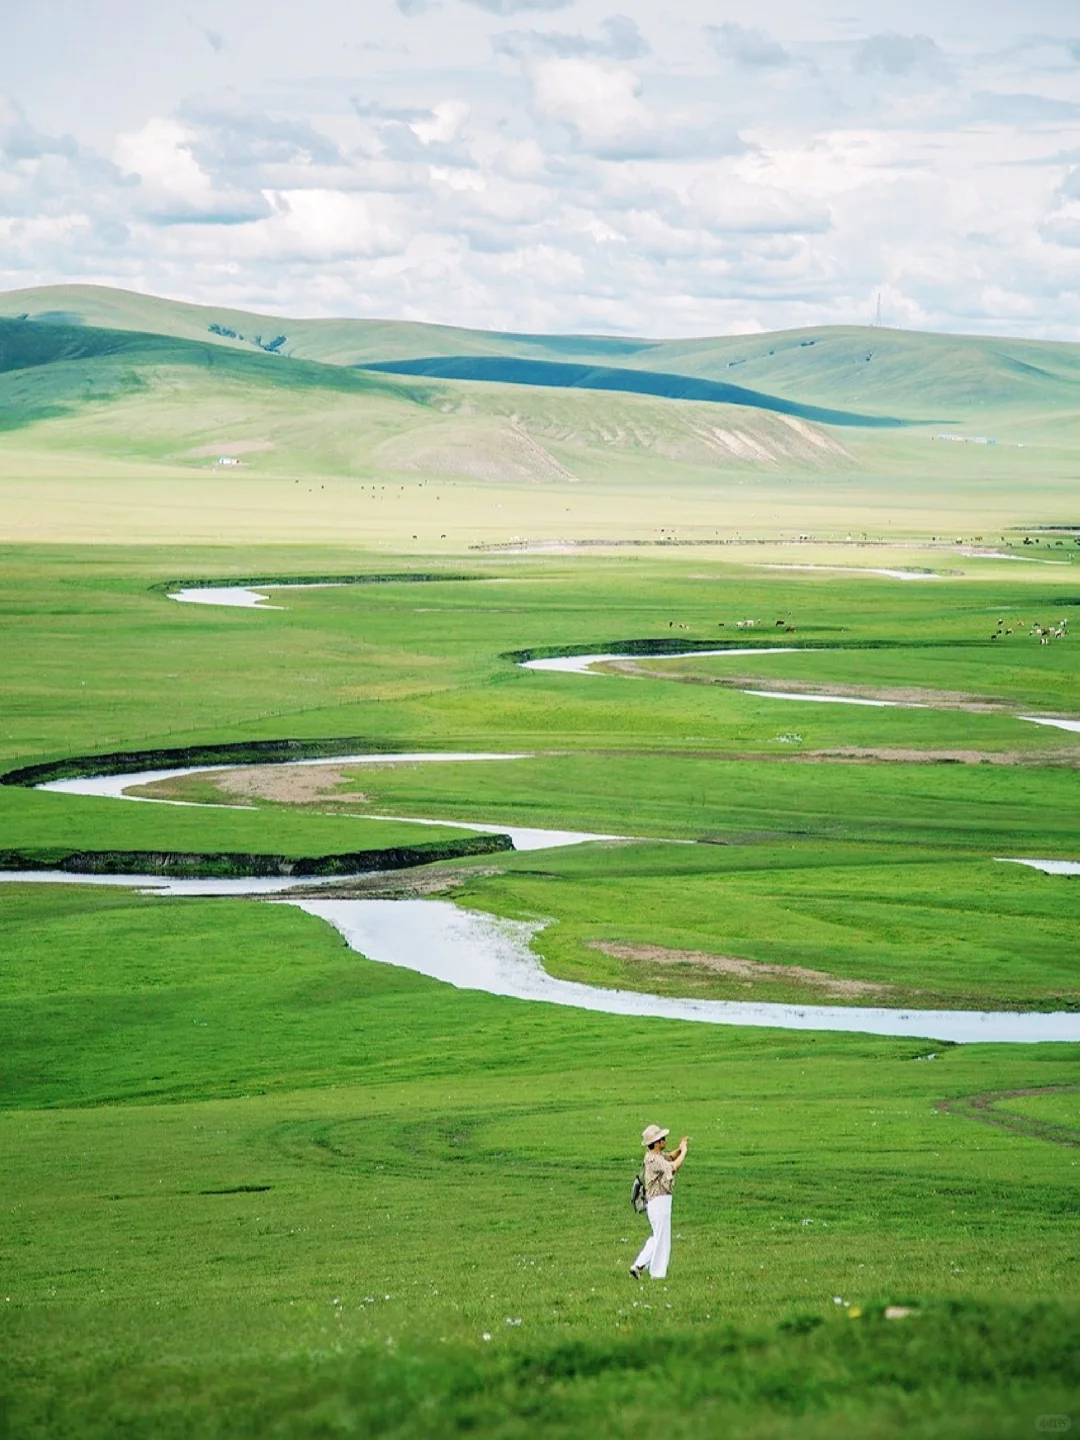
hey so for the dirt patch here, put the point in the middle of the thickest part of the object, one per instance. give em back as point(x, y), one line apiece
point(487, 450)
point(395, 884)
point(900, 755)
point(832, 986)
point(895, 694)
point(290, 784)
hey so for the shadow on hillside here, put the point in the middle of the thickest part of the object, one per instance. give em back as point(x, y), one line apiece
point(49, 370)
point(506, 370)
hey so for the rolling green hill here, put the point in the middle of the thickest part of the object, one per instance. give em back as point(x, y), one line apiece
point(27, 344)
point(50, 368)
point(909, 374)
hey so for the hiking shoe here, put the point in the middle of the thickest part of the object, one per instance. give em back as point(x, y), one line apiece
point(635, 1272)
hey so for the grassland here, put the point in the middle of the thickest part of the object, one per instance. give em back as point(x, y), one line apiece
point(255, 1184)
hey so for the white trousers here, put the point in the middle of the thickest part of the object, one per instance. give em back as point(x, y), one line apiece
point(656, 1252)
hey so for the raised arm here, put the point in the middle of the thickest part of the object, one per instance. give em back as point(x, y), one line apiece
point(680, 1153)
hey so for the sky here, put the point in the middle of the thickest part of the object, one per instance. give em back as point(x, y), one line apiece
point(609, 166)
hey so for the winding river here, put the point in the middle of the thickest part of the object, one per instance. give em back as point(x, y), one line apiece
point(474, 951)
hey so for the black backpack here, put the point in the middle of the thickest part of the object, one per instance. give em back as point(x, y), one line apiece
point(637, 1193)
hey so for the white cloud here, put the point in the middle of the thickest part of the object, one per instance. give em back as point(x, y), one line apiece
point(522, 160)
point(445, 124)
point(172, 185)
point(600, 102)
point(19, 140)
point(726, 202)
point(160, 155)
point(316, 225)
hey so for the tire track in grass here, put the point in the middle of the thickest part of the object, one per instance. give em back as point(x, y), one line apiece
point(984, 1107)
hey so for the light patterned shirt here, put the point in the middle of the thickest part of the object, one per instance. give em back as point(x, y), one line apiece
point(659, 1174)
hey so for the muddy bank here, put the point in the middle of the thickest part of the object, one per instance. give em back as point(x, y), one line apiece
point(246, 594)
point(628, 657)
point(582, 664)
point(193, 757)
point(239, 864)
point(901, 696)
point(758, 639)
point(189, 759)
point(281, 582)
point(393, 885)
point(906, 755)
point(866, 570)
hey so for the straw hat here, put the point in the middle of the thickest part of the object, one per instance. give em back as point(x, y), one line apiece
point(651, 1134)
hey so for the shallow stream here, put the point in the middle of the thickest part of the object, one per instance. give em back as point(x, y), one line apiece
point(473, 951)
point(478, 952)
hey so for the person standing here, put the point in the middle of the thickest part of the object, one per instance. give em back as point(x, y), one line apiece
point(659, 1174)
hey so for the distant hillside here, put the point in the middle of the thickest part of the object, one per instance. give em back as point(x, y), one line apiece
point(161, 398)
point(869, 371)
point(48, 370)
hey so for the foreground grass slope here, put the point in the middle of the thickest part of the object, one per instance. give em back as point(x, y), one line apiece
point(307, 1204)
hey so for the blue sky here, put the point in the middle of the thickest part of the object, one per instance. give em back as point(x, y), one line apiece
point(618, 166)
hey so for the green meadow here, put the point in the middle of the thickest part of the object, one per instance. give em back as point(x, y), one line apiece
point(256, 1184)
